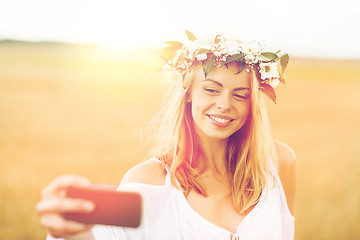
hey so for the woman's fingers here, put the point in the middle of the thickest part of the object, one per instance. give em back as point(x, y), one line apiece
point(61, 205)
point(54, 203)
point(61, 182)
point(59, 227)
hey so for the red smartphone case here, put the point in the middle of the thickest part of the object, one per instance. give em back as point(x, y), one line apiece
point(111, 207)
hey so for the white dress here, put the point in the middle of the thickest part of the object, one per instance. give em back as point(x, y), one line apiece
point(167, 215)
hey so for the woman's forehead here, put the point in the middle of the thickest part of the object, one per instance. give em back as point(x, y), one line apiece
point(224, 76)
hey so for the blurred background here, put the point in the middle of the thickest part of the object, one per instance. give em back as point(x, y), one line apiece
point(79, 81)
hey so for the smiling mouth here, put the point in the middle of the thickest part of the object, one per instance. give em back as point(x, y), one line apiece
point(218, 119)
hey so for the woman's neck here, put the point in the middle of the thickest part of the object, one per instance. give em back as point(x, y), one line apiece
point(212, 158)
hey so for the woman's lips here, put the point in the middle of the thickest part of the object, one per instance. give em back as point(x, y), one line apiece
point(220, 120)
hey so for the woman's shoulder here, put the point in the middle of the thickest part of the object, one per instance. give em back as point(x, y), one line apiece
point(286, 161)
point(287, 171)
point(148, 172)
point(286, 155)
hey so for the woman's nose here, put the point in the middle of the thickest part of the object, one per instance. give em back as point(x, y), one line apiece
point(223, 102)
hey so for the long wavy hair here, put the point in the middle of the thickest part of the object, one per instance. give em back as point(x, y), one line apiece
point(248, 151)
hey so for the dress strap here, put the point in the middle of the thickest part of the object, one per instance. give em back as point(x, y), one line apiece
point(167, 177)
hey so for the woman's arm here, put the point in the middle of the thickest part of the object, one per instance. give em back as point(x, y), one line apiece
point(287, 172)
point(53, 202)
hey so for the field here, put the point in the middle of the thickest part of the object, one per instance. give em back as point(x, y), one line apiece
point(83, 110)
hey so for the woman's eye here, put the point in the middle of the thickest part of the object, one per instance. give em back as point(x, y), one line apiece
point(240, 97)
point(211, 91)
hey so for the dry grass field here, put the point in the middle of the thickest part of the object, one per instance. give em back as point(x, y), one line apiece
point(82, 110)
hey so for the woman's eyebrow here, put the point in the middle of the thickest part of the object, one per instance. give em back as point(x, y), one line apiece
point(214, 81)
point(242, 88)
point(221, 85)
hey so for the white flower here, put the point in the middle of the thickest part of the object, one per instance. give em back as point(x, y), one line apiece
point(230, 46)
point(167, 68)
point(201, 57)
point(269, 70)
point(190, 47)
point(274, 82)
point(206, 46)
point(254, 46)
point(252, 51)
point(251, 58)
point(217, 53)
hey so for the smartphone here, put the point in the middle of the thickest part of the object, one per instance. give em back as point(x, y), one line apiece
point(111, 207)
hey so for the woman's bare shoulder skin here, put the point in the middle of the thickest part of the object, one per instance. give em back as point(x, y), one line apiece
point(287, 171)
point(148, 172)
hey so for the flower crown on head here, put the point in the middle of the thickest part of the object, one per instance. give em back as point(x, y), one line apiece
point(269, 67)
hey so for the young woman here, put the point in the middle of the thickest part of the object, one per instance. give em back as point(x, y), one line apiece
point(218, 173)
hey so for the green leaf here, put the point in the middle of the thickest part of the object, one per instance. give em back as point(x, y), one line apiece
point(190, 35)
point(209, 65)
point(234, 57)
point(270, 55)
point(181, 57)
point(203, 50)
point(174, 44)
point(168, 52)
point(217, 39)
point(282, 78)
point(284, 60)
point(164, 58)
point(269, 91)
point(241, 68)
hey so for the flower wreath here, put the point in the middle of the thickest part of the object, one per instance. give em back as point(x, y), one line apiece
point(269, 67)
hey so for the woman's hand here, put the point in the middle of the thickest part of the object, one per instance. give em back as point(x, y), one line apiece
point(54, 203)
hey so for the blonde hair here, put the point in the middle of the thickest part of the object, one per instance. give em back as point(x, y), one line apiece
point(248, 152)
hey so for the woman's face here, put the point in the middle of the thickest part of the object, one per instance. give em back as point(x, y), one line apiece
point(220, 104)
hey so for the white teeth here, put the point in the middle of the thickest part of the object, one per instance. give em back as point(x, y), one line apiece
point(220, 120)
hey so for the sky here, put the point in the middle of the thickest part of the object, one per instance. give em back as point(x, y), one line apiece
point(303, 28)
